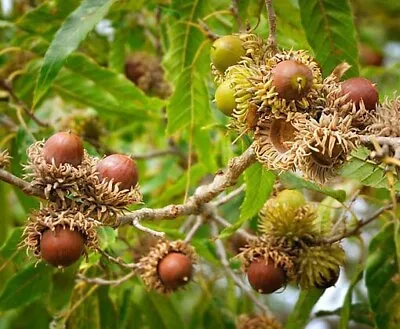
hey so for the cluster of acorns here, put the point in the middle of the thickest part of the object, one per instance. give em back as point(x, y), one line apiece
point(292, 247)
point(299, 119)
point(81, 192)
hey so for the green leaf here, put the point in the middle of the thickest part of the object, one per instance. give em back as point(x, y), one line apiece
point(304, 305)
point(259, 185)
point(184, 39)
point(107, 236)
point(10, 249)
point(117, 51)
point(363, 170)
point(291, 180)
point(167, 311)
point(330, 31)
point(360, 313)
point(107, 310)
point(67, 39)
point(189, 104)
point(346, 309)
point(26, 286)
point(382, 278)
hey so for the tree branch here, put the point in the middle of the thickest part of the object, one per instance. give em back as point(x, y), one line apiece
point(25, 187)
point(391, 141)
point(360, 224)
point(272, 25)
point(201, 196)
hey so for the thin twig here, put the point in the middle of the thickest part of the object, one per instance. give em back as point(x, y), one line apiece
point(234, 8)
point(391, 141)
point(272, 43)
point(104, 282)
point(7, 86)
point(193, 230)
point(228, 197)
point(117, 261)
point(136, 223)
point(220, 220)
point(221, 252)
point(203, 194)
point(347, 208)
point(156, 154)
point(360, 224)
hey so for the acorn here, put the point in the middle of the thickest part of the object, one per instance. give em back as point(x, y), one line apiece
point(358, 89)
point(292, 80)
point(63, 147)
point(175, 270)
point(225, 98)
point(226, 51)
point(120, 169)
point(265, 277)
point(61, 247)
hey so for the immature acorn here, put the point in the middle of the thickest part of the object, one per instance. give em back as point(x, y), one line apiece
point(63, 147)
point(360, 89)
point(226, 51)
point(120, 169)
point(61, 247)
point(225, 98)
point(264, 276)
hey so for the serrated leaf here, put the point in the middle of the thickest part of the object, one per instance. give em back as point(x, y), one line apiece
point(366, 172)
point(346, 309)
point(290, 180)
point(67, 39)
point(189, 103)
point(382, 278)
point(26, 286)
point(304, 305)
point(259, 185)
point(331, 33)
point(184, 39)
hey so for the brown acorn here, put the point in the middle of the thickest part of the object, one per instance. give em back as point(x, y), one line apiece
point(175, 270)
point(264, 276)
point(63, 147)
point(119, 168)
point(61, 247)
point(292, 80)
point(358, 89)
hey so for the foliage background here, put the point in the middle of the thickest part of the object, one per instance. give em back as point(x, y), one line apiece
point(82, 73)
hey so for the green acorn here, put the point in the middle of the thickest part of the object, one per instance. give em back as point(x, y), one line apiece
point(319, 266)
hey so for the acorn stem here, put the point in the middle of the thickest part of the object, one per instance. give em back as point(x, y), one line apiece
point(272, 43)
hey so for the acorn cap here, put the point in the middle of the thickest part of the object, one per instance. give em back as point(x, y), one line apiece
point(275, 139)
point(318, 266)
point(149, 264)
point(268, 247)
point(385, 120)
point(325, 146)
point(104, 200)
point(49, 217)
point(4, 159)
point(57, 182)
point(257, 322)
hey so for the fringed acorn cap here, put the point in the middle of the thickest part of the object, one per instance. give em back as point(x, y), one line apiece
point(281, 220)
point(267, 91)
point(386, 120)
point(256, 48)
point(325, 146)
point(57, 182)
point(4, 159)
point(149, 264)
point(145, 71)
point(47, 218)
point(104, 200)
point(275, 140)
point(319, 266)
point(239, 76)
point(257, 322)
point(268, 247)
